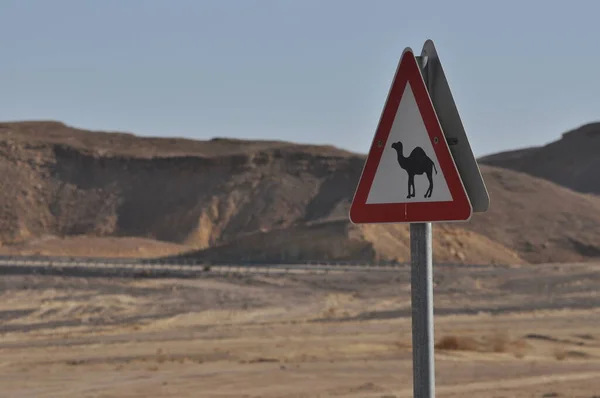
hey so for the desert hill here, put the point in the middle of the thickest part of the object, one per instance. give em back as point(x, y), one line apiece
point(250, 200)
point(540, 220)
point(531, 220)
point(572, 161)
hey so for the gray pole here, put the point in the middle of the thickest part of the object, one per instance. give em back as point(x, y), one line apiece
point(421, 283)
point(422, 310)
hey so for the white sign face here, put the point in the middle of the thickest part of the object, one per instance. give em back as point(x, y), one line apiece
point(408, 153)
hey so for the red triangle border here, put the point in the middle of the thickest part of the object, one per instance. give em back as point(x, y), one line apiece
point(459, 209)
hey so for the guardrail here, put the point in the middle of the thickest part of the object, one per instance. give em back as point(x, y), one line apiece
point(94, 266)
point(188, 261)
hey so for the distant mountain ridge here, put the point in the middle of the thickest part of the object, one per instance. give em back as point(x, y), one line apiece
point(67, 190)
point(573, 161)
point(508, 155)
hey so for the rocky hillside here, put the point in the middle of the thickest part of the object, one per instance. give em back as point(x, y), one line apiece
point(250, 200)
point(573, 161)
point(63, 182)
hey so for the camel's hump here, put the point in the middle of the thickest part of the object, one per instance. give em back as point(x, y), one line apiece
point(418, 151)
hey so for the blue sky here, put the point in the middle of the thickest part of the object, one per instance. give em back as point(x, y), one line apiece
point(310, 71)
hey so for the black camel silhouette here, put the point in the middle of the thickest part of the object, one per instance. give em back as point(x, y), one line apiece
point(417, 163)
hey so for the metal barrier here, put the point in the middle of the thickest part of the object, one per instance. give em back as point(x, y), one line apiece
point(174, 267)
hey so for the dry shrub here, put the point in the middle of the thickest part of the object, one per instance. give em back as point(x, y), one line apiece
point(560, 354)
point(402, 345)
point(497, 343)
point(330, 312)
point(519, 347)
point(456, 343)
point(500, 342)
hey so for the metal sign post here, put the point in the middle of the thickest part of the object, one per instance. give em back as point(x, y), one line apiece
point(420, 116)
point(421, 287)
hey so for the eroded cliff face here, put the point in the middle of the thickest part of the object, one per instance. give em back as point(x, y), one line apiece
point(58, 189)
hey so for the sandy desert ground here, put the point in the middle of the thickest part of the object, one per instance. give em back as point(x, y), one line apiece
point(531, 331)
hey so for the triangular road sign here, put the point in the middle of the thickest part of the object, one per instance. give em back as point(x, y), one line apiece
point(409, 175)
